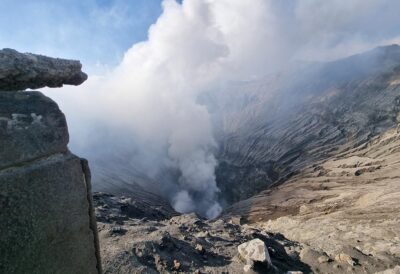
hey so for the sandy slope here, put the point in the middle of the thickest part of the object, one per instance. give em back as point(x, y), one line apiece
point(348, 203)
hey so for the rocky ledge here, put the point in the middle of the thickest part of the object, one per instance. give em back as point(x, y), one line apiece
point(20, 71)
point(46, 218)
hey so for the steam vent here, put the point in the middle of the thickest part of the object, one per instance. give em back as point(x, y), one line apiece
point(46, 214)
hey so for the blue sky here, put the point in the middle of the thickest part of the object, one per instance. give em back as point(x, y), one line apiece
point(97, 32)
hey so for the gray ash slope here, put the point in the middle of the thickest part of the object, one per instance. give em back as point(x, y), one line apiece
point(339, 190)
point(270, 129)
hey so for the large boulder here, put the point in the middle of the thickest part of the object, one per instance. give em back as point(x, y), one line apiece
point(254, 251)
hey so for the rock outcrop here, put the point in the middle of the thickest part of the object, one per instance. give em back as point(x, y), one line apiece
point(46, 216)
point(252, 252)
point(20, 71)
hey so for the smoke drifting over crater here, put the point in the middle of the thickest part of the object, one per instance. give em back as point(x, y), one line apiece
point(143, 117)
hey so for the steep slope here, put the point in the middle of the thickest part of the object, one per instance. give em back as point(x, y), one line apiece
point(336, 184)
point(270, 129)
point(346, 203)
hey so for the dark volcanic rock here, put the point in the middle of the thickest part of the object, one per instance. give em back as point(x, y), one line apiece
point(44, 218)
point(45, 206)
point(20, 71)
point(47, 222)
point(183, 244)
point(31, 126)
point(141, 205)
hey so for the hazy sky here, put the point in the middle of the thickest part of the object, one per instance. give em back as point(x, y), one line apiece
point(97, 32)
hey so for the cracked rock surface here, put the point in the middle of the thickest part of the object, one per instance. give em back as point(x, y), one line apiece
point(20, 71)
point(46, 216)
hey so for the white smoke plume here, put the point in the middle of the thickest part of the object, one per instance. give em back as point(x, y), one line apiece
point(152, 95)
point(145, 115)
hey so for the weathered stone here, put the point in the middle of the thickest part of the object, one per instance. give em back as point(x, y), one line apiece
point(247, 268)
point(345, 258)
point(236, 220)
point(44, 218)
point(323, 259)
point(20, 71)
point(254, 251)
point(177, 265)
point(200, 248)
point(47, 222)
point(31, 126)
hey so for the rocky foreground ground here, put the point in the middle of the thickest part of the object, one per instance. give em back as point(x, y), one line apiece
point(138, 237)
